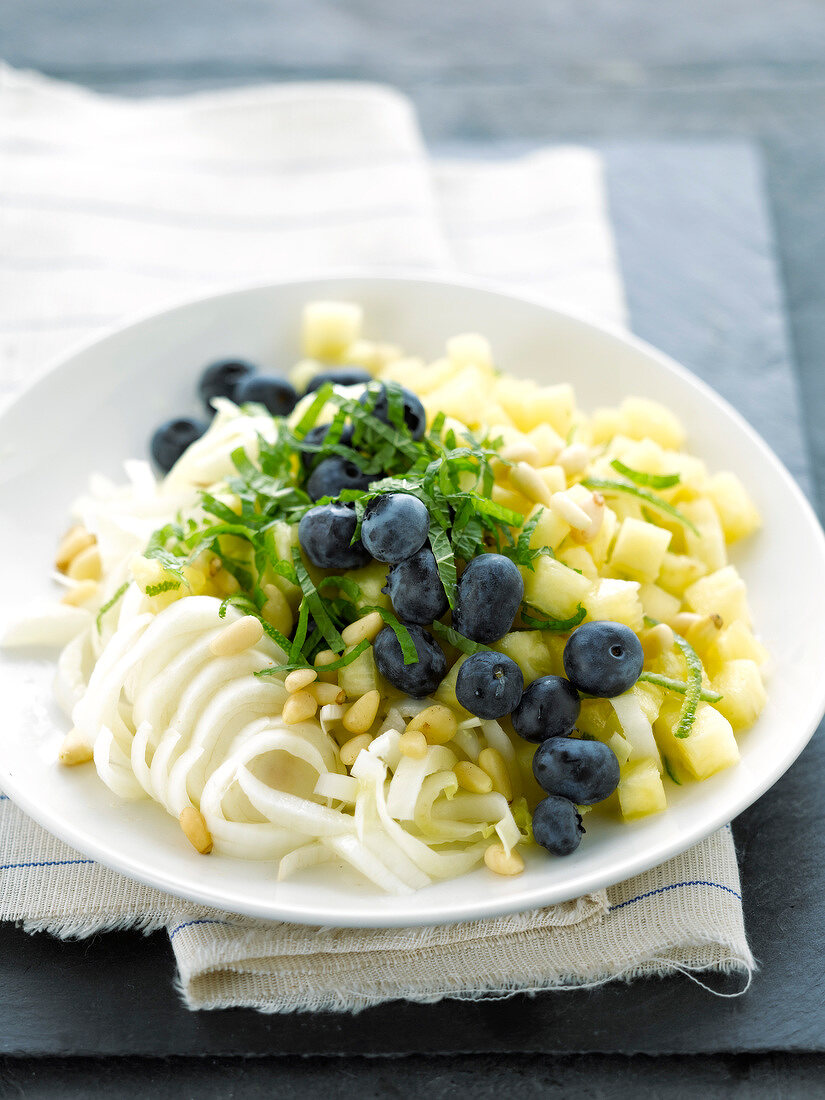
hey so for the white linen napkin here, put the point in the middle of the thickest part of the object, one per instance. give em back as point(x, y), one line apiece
point(111, 206)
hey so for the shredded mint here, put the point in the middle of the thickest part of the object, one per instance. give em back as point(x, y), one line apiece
point(561, 626)
point(408, 650)
point(639, 477)
point(604, 485)
point(458, 641)
point(445, 561)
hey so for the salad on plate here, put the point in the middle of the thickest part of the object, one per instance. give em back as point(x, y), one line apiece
point(403, 616)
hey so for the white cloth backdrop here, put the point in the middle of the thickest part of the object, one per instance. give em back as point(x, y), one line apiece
point(109, 207)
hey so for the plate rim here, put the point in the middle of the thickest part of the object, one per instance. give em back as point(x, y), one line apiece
point(364, 912)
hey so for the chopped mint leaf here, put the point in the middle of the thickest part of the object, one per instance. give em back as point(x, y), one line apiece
point(458, 641)
point(639, 477)
point(561, 626)
point(606, 486)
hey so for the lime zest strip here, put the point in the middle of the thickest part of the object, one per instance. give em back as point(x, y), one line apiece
point(679, 686)
point(693, 691)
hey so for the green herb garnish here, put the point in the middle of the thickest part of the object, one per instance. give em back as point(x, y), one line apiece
point(693, 691)
point(639, 477)
point(670, 771)
point(110, 603)
point(678, 686)
point(456, 640)
point(561, 626)
point(604, 485)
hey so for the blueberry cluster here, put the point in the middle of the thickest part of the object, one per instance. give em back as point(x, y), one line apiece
point(242, 383)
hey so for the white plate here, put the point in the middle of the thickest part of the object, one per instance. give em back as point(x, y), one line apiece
point(99, 406)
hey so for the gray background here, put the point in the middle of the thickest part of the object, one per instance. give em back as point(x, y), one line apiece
point(744, 85)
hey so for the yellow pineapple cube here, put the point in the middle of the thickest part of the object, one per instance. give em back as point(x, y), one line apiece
point(465, 396)
point(371, 356)
point(529, 405)
point(529, 650)
point(645, 419)
point(709, 545)
point(418, 376)
point(329, 328)
point(615, 600)
point(508, 498)
point(550, 529)
point(737, 512)
point(578, 558)
point(709, 747)
point(736, 642)
point(547, 442)
point(720, 593)
point(639, 550)
point(445, 692)
point(641, 791)
point(651, 697)
point(743, 693)
point(605, 424)
point(553, 477)
point(658, 604)
point(554, 589)
point(621, 748)
point(598, 719)
point(470, 349)
point(678, 571)
point(602, 544)
point(303, 372)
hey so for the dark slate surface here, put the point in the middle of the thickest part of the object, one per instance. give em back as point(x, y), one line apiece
point(701, 283)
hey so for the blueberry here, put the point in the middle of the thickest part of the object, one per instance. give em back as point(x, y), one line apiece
point(221, 380)
point(325, 534)
point(415, 588)
point(557, 825)
point(548, 708)
point(415, 418)
point(583, 771)
point(335, 473)
point(171, 439)
point(340, 376)
point(316, 436)
point(489, 684)
point(395, 527)
point(488, 598)
point(274, 393)
point(603, 658)
point(418, 679)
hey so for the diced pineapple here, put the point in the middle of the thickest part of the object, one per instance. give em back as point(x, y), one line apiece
point(615, 600)
point(743, 693)
point(445, 692)
point(736, 642)
point(598, 719)
point(620, 747)
point(553, 477)
point(508, 498)
point(578, 558)
point(328, 328)
point(528, 649)
point(550, 530)
point(371, 579)
point(645, 419)
point(709, 747)
point(605, 424)
point(709, 545)
point(547, 442)
point(737, 512)
point(641, 791)
point(466, 396)
point(658, 604)
point(525, 751)
point(651, 697)
point(555, 647)
point(720, 593)
point(303, 372)
point(360, 675)
point(642, 454)
point(418, 376)
point(554, 589)
point(678, 571)
point(470, 349)
point(530, 405)
point(371, 356)
point(639, 550)
point(601, 545)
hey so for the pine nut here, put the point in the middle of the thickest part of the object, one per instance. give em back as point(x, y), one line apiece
point(502, 864)
point(75, 750)
point(527, 481)
point(299, 707)
point(327, 694)
point(683, 621)
point(367, 628)
point(80, 593)
point(594, 508)
point(214, 567)
point(521, 451)
point(569, 511)
point(437, 723)
point(326, 657)
point(238, 636)
point(413, 743)
point(657, 640)
point(361, 715)
point(471, 778)
point(276, 610)
point(74, 542)
point(574, 458)
point(195, 830)
point(300, 678)
point(85, 566)
point(350, 749)
point(492, 762)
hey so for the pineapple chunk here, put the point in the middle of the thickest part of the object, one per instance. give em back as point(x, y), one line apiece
point(547, 442)
point(509, 498)
point(371, 356)
point(470, 349)
point(528, 649)
point(709, 545)
point(651, 697)
point(645, 419)
point(550, 529)
point(678, 571)
point(415, 375)
point(641, 791)
point(303, 372)
point(328, 328)
point(743, 693)
point(709, 747)
point(736, 642)
point(615, 600)
point(737, 512)
point(445, 692)
point(467, 396)
point(530, 405)
point(601, 545)
point(598, 719)
point(553, 477)
point(554, 589)
point(525, 751)
point(659, 604)
point(604, 425)
point(371, 579)
point(639, 550)
point(720, 593)
point(620, 747)
point(578, 558)
point(360, 676)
